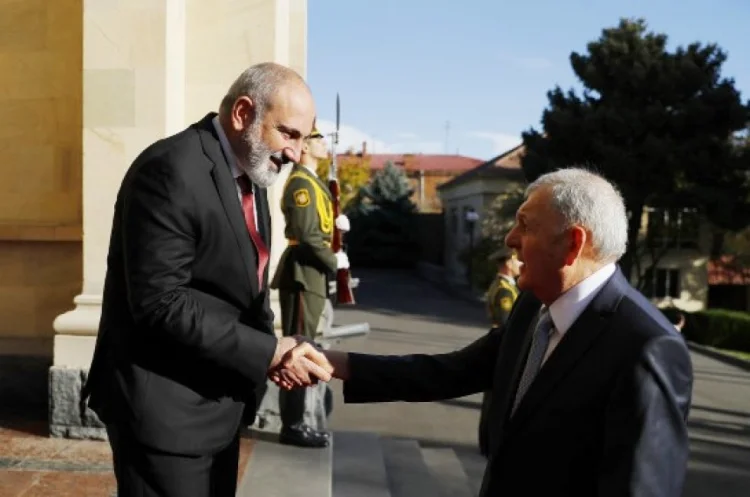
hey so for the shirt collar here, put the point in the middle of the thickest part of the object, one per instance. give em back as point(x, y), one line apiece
point(227, 148)
point(509, 279)
point(310, 170)
point(571, 304)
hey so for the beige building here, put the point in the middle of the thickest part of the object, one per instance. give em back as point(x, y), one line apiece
point(85, 86)
point(474, 190)
point(678, 240)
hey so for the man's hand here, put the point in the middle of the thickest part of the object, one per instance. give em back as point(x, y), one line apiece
point(300, 365)
point(284, 345)
point(336, 365)
point(342, 223)
point(342, 260)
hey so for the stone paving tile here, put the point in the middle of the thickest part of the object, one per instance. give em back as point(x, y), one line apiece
point(14, 483)
point(21, 441)
point(34, 465)
point(61, 484)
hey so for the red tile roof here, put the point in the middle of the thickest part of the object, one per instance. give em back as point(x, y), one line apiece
point(728, 271)
point(417, 162)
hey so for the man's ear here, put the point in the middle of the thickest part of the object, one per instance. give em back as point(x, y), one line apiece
point(576, 239)
point(243, 113)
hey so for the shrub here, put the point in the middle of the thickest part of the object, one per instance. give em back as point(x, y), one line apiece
point(720, 328)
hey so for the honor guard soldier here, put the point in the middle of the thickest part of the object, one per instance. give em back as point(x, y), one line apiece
point(503, 291)
point(303, 272)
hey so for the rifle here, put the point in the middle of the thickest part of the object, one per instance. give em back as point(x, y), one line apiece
point(344, 293)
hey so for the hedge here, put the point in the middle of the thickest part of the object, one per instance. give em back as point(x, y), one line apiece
point(720, 328)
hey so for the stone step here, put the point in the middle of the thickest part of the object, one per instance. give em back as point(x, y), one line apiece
point(474, 465)
point(448, 471)
point(408, 474)
point(276, 470)
point(358, 465)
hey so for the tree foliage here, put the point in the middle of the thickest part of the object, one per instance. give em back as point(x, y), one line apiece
point(497, 221)
point(499, 217)
point(353, 174)
point(660, 124)
point(383, 221)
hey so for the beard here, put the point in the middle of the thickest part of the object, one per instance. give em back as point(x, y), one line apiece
point(261, 170)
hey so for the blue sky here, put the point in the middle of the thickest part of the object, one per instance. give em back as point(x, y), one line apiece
point(406, 67)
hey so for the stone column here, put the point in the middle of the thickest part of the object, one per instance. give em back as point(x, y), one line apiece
point(150, 68)
point(243, 34)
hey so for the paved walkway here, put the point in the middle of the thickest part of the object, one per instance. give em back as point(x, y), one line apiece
point(408, 315)
point(34, 465)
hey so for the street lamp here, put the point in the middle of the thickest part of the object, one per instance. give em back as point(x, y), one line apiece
point(471, 219)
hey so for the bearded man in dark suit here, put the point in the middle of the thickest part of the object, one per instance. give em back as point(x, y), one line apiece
point(186, 338)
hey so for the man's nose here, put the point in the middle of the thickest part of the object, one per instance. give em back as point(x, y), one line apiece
point(509, 239)
point(293, 153)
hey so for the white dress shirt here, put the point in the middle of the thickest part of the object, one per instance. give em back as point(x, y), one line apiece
point(232, 159)
point(565, 310)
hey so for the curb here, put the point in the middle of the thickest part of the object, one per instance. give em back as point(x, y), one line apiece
point(719, 356)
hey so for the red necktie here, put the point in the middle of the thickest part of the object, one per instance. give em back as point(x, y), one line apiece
point(248, 207)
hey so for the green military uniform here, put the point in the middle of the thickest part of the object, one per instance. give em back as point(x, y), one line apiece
point(302, 273)
point(500, 299)
point(501, 296)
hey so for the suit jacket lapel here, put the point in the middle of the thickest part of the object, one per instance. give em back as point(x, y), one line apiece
point(575, 343)
point(511, 357)
point(227, 190)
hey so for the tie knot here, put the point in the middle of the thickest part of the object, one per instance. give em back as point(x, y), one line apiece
point(545, 324)
point(246, 186)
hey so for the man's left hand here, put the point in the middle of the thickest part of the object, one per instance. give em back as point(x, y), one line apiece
point(301, 366)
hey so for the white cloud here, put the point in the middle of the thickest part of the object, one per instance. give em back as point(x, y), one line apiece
point(352, 138)
point(501, 142)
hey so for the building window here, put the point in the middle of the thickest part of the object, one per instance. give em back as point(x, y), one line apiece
point(673, 228)
point(661, 283)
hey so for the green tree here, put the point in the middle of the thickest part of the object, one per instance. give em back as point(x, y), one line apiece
point(499, 217)
point(497, 221)
point(383, 221)
point(659, 124)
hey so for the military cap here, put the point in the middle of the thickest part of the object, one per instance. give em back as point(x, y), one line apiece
point(501, 254)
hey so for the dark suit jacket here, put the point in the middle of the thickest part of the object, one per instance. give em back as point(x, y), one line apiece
point(605, 416)
point(186, 335)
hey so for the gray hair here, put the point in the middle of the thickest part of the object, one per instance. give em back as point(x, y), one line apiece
point(259, 82)
point(587, 199)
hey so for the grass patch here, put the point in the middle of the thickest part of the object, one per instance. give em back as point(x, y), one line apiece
point(735, 353)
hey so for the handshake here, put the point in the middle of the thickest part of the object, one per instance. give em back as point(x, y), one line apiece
point(299, 363)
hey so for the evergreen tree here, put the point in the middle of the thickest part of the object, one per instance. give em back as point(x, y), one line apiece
point(383, 221)
point(659, 124)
